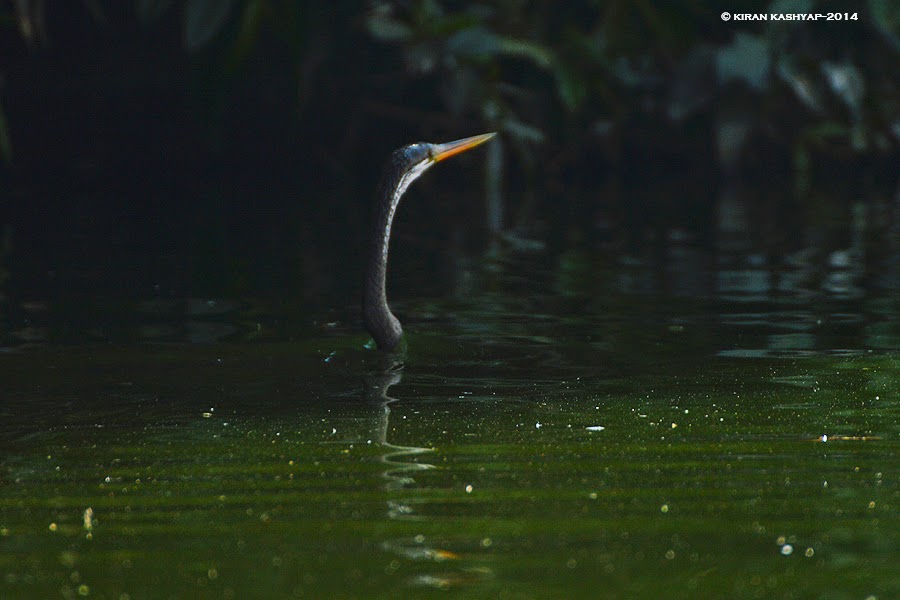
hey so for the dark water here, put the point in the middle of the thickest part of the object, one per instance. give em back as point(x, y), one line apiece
point(702, 425)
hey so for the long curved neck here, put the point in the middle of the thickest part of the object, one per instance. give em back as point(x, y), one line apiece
point(380, 322)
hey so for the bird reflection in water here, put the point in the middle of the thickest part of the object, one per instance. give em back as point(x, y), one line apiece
point(400, 465)
point(399, 472)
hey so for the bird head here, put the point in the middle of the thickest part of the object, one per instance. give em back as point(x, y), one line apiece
point(415, 159)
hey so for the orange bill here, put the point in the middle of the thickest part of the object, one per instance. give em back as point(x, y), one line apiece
point(443, 151)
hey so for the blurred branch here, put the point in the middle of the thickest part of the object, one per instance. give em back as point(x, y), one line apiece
point(30, 17)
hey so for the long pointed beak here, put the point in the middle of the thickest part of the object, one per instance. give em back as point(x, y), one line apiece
point(441, 152)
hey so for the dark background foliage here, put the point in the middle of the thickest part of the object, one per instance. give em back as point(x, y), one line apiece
point(231, 147)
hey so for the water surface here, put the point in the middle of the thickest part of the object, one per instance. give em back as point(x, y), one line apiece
point(720, 427)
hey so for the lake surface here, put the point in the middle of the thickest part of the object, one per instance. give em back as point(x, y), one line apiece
point(715, 427)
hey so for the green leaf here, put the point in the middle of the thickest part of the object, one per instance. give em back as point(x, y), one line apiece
point(886, 17)
point(847, 83)
point(422, 58)
point(475, 42)
point(204, 19)
point(746, 59)
point(571, 87)
point(450, 24)
point(537, 53)
point(805, 86)
point(384, 27)
point(885, 14)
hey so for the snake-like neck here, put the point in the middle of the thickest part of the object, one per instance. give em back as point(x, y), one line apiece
point(380, 322)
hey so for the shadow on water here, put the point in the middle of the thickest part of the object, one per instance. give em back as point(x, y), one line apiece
point(673, 420)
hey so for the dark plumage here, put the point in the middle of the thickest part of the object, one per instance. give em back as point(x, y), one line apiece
point(404, 167)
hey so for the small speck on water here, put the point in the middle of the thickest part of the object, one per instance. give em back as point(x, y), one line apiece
point(664, 508)
point(469, 489)
point(787, 550)
point(595, 428)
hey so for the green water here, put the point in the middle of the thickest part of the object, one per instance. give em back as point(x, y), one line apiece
point(559, 446)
